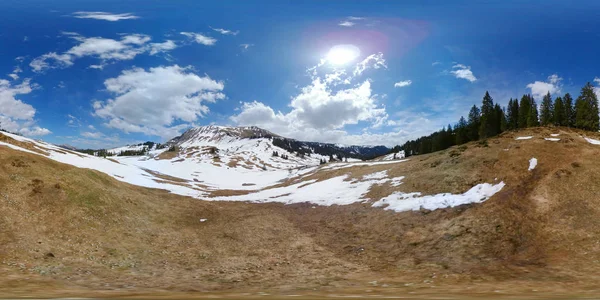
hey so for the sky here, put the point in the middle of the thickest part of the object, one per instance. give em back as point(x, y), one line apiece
point(100, 74)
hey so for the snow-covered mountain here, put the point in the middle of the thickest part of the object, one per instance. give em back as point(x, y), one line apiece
point(259, 145)
point(238, 147)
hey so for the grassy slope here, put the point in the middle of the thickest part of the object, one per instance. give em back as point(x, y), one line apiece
point(104, 234)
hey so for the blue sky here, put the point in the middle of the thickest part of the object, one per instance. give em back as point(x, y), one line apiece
point(107, 73)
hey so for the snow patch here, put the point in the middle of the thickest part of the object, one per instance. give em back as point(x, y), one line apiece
point(414, 201)
point(592, 141)
point(532, 163)
point(524, 138)
point(552, 139)
point(555, 134)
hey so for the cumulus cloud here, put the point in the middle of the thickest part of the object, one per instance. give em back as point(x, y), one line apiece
point(15, 115)
point(105, 49)
point(200, 38)
point(596, 88)
point(322, 109)
point(347, 24)
point(374, 61)
point(463, 72)
point(540, 88)
point(325, 110)
point(105, 16)
point(225, 31)
point(403, 83)
point(152, 101)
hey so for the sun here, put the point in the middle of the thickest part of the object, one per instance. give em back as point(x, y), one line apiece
point(342, 54)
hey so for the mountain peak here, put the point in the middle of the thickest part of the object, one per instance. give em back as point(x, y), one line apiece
point(216, 133)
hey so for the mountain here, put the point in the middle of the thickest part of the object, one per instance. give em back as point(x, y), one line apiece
point(68, 147)
point(219, 136)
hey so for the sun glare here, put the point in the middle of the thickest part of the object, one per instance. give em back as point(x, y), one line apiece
point(342, 54)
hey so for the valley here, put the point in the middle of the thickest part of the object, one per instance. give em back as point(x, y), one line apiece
point(478, 217)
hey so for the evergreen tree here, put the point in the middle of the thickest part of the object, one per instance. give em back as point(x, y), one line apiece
point(488, 117)
point(461, 131)
point(501, 119)
point(474, 122)
point(586, 109)
point(524, 108)
point(559, 112)
point(512, 114)
point(533, 119)
point(546, 110)
point(569, 110)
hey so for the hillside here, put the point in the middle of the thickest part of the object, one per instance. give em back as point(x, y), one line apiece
point(390, 227)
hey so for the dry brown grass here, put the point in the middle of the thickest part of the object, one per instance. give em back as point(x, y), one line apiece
point(540, 232)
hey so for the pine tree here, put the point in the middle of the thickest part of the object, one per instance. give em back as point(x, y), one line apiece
point(546, 110)
point(474, 122)
point(586, 109)
point(501, 119)
point(569, 110)
point(488, 118)
point(461, 131)
point(524, 108)
point(512, 114)
point(532, 119)
point(559, 112)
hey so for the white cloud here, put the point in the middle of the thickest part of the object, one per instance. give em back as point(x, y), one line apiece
point(323, 111)
point(97, 67)
point(375, 61)
point(51, 60)
point(15, 115)
point(225, 31)
point(318, 112)
point(20, 58)
point(463, 72)
point(245, 46)
point(100, 15)
point(162, 47)
point(351, 21)
point(92, 135)
point(539, 89)
point(34, 131)
point(151, 101)
point(91, 127)
point(127, 48)
point(347, 24)
point(73, 121)
point(200, 38)
point(403, 83)
point(596, 88)
point(435, 63)
point(14, 75)
point(25, 38)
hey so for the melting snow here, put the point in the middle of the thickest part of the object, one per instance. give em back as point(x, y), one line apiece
point(200, 177)
point(524, 138)
point(552, 139)
point(555, 134)
point(414, 201)
point(532, 163)
point(592, 141)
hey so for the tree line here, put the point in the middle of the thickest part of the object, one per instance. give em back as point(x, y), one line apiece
point(491, 119)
